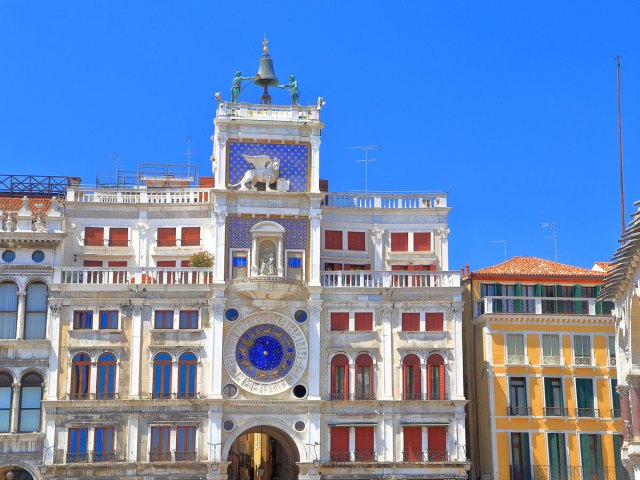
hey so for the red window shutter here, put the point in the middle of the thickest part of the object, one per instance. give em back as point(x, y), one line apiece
point(412, 361)
point(333, 239)
point(185, 263)
point(94, 236)
point(399, 241)
point(92, 263)
point(339, 321)
point(410, 322)
point(118, 237)
point(437, 437)
point(355, 241)
point(333, 266)
point(339, 439)
point(434, 322)
point(399, 267)
point(190, 236)
point(422, 242)
point(166, 237)
point(364, 443)
point(412, 443)
point(117, 263)
point(166, 263)
point(364, 321)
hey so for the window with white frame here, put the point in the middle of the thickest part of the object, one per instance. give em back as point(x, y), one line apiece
point(551, 349)
point(581, 350)
point(515, 349)
point(611, 346)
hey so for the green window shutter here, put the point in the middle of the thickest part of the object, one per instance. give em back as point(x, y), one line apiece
point(548, 393)
point(599, 452)
point(585, 455)
point(497, 304)
point(538, 290)
point(577, 293)
point(517, 291)
point(615, 396)
point(526, 459)
point(584, 387)
point(617, 448)
point(598, 304)
point(554, 454)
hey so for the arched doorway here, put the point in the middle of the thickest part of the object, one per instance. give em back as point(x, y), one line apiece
point(263, 453)
point(14, 473)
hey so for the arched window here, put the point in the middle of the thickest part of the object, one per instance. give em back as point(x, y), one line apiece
point(6, 395)
point(30, 402)
point(106, 387)
point(435, 377)
point(411, 378)
point(35, 321)
point(80, 376)
point(162, 375)
point(340, 377)
point(364, 377)
point(187, 375)
point(8, 309)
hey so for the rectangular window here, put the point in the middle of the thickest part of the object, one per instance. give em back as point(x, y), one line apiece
point(611, 346)
point(77, 445)
point(528, 305)
point(399, 241)
point(584, 390)
point(118, 237)
point(591, 455)
point(339, 444)
point(108, 320)
point(554, 400)
point(422, 242)
point(356, 241)
point(166, 237)
point(615, 399)
point(333, 240)
point(188, 319)
point(557, 455)
point(364, 444)
point(103, 444)
point(434, 322)
point(190, 237)
point(163, 320)
point(159, 450)
point(551, 349)
point(239, 264)
point(364, 321)
point(518, 396)
point(412, 437)
point(339, 321)
point(515, 349)
point(94, 236)
point(294, 266)
point(6, 394)
point(185, 443)
point(520, 457)
point(581, 350)
point(437, 438)
point(82, 320)
point(410, 322)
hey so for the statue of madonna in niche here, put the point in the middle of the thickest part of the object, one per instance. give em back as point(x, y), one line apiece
point(268, 259)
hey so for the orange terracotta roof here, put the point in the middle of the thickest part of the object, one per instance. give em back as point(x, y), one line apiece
point(13, 204)
point(536, 267)
point(605, 266)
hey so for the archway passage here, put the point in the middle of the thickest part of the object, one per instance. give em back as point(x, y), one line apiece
point(263, 453)
point(14, 473)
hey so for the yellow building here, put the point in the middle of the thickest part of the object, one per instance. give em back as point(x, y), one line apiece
point(541, 373)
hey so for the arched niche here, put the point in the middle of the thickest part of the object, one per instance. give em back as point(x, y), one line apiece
point(267, 252)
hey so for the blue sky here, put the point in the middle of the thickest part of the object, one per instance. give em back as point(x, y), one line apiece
point(508, 105)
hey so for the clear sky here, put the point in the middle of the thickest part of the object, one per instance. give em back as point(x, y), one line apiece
point(508, 105)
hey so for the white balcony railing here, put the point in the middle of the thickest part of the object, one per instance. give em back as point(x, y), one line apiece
point(139, 195)
point(267, 112)
point(384, 200)
point(139, 276)
point(551, 360)
point(535, 305)
point(388, 279)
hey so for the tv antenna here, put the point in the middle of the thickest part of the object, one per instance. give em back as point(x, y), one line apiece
point(366, 162)
point(190, 152)
point(504, 244)
point(552, 226)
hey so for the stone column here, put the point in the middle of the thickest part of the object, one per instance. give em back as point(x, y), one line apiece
point(49, 441)
point(215, 434)
point(215, 346)
point(132, 438)
point(142, 229)
point(623, 391)
point(93, 378)
point(377, 234)
point(219, 158)
point(456, 312)
point(136, 350)
point(220, 254)
point(22, 301)
point(15, 408)
point(635, 408)
point(387, 352)
point(313, 440)
point(315, 311)
point(315, 219)
point(444, 249)
point(54, 350)
point(314, 180)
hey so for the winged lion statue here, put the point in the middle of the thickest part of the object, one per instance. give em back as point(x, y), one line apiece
point(263, 169)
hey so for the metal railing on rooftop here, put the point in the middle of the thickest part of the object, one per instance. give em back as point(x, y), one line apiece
point(139, 195)
point(389, 279)
point(384, 200)
point(33, 185)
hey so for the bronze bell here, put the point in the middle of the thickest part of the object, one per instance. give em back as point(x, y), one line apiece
point(266, 76)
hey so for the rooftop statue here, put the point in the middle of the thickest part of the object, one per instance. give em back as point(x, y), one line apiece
point(236, 84)
point(293, 89)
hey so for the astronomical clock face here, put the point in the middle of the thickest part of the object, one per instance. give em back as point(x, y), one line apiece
point(265, 353)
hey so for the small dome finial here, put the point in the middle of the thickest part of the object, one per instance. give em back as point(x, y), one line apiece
point(264, 43)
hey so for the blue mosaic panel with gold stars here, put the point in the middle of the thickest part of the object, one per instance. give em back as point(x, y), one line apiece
point(294, 161)
point(239, 231)
point(265, 353)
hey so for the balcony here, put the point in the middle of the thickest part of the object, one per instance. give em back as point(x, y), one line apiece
point(343, 457)
point(91, 457)
point(351, 396)
point(425, 456)
point(582, 360)
point(139, 276)
point(139, 195)
point(515, 360)
point(555, 412)
point(425, 396)
point(518, 411)
point(537, 306)
point(588, 412)
point(548, 472)
point(173, 456)
point(92, 396)
point(551, 360)
point(177, 396)
point(267, 112)
point(402, 201)
point(388, 279)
